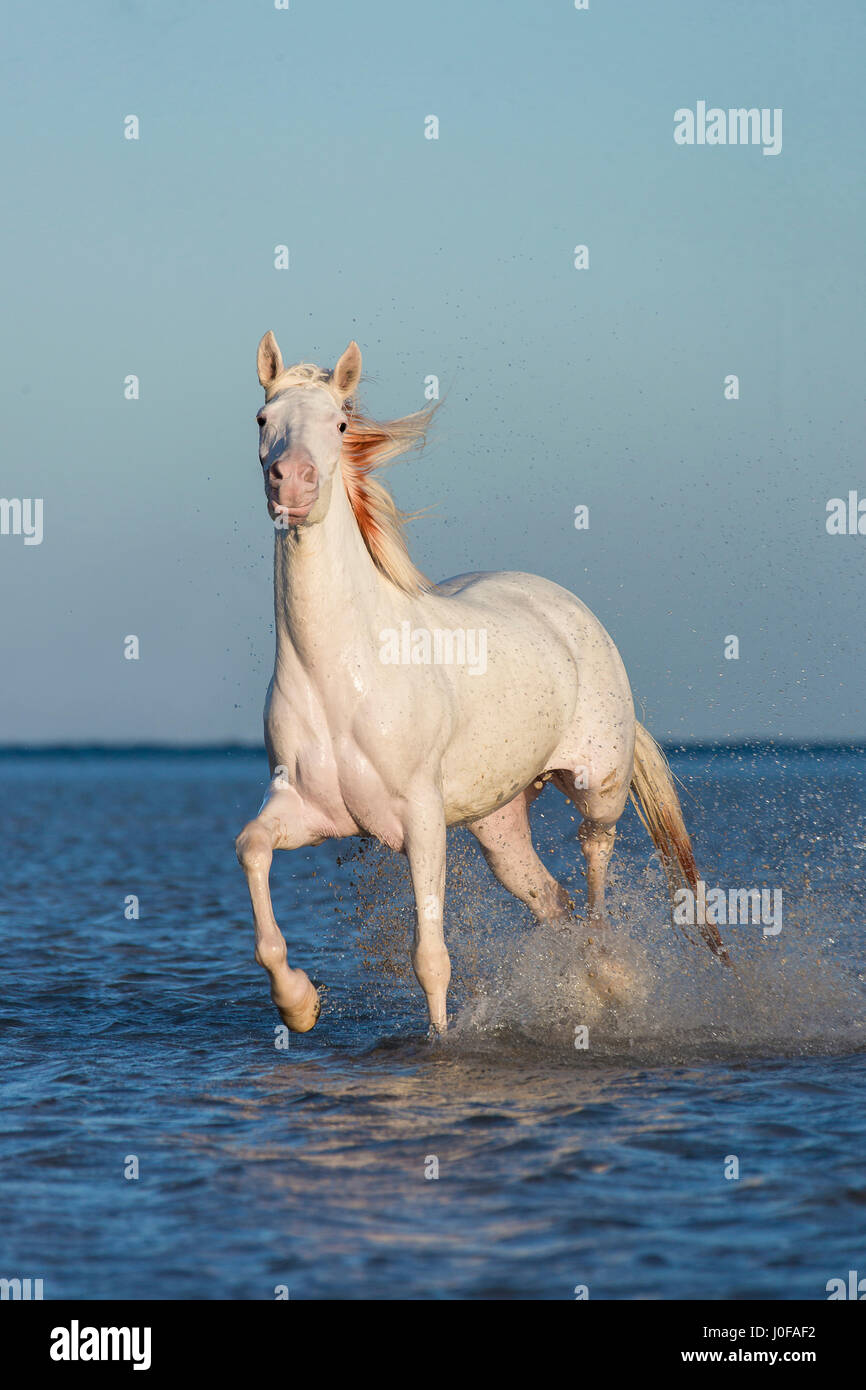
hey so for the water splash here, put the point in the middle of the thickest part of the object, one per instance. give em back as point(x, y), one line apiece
point(641, 991)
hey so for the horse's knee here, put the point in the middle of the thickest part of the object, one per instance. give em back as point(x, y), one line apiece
point(254, 847)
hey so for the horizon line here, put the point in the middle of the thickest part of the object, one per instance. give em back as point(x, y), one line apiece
point(749, 743)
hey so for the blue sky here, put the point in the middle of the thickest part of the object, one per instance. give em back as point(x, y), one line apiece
point(451, 257)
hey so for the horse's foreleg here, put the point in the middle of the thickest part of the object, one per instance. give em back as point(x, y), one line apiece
point(424, 845)
point(506, 843)
point(294, 994)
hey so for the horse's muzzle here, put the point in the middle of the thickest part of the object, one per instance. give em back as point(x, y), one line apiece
point(293, 486)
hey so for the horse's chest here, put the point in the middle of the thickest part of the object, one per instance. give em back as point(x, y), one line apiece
point(344, 789)
point(339, 783)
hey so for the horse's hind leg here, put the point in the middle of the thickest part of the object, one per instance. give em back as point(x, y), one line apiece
point(506, 843)
point(279, 825)
point(600, 804)
point(596, 841)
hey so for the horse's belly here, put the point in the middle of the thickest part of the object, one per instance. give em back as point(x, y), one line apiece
point(499, 751)
point(471, 794)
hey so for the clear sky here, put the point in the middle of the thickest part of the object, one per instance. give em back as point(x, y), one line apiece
point(452, 257)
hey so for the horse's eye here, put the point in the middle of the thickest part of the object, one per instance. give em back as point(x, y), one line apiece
point(342, 427)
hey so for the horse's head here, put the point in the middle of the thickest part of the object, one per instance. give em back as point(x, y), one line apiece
point(301, 427)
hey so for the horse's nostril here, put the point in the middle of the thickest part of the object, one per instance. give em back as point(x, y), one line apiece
point(294, 472)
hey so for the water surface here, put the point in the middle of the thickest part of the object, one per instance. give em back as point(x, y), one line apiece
point(304, 1166)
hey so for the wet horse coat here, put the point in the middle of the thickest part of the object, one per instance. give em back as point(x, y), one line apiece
point(360, 743)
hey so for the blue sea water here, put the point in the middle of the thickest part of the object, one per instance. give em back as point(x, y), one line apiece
point(309, 1167)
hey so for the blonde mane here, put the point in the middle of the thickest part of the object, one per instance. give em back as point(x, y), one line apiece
point(367, 445)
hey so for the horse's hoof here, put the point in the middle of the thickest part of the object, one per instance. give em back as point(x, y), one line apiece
point(615, 982)
point(303, 1016)
point(599, 921)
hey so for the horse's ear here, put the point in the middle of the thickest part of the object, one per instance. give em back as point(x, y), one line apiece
point(347, 372)
point(269, 360)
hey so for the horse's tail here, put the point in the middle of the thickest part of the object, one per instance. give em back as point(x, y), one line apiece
point(655, 799)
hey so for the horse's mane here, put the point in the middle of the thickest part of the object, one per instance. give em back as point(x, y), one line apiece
point(367, 445)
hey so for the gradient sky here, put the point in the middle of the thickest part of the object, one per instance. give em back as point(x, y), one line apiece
point(453, 257)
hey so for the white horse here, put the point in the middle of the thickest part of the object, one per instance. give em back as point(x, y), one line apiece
point(399, 707)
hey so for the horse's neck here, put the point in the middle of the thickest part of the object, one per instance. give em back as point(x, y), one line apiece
point(327, 590)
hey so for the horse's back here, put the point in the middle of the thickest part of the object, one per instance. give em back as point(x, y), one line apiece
point(564, 646)
point(530, 596)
